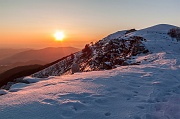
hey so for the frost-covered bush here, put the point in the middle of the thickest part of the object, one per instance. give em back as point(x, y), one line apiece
point(175, 33)
point(131, 30)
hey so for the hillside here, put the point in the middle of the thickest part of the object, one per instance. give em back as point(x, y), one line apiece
point(4, 68)
point(31, 57)
point(143, 83)
point(7, 52)
point(39, 55)
point(17, 72)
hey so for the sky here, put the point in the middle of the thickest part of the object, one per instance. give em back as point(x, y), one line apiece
point(32, 23)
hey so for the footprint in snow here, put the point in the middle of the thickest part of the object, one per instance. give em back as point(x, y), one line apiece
point(141, 107)
point(135, 92)
point(101, 101)
point(157, 100)
point(130, 96)
point(112, 89)
point(107, 114)
point(74, 95)
point(71, 107)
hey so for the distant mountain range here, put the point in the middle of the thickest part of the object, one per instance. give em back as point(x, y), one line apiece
point(45, 55)
point(7, 52)
point(30, 57)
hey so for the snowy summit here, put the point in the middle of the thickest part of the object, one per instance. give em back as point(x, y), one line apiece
point(142, 81)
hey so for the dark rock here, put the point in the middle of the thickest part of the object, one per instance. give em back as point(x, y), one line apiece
point(125, 64)
point(75, 68)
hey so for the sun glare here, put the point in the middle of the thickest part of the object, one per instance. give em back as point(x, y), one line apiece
point(59, 35)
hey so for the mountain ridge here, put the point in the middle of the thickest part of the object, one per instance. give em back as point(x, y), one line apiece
point(39, 54)
point(160, 27)
point(117, 49)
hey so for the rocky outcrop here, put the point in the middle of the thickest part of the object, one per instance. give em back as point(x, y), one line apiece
point(75, 68)
point(103, 55)
point(115, 52)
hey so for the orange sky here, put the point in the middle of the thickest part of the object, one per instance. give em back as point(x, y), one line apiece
point(40, 39)
point(20, 34)
point(32, 23)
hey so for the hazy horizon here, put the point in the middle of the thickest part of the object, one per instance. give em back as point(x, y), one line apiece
point(31, 24)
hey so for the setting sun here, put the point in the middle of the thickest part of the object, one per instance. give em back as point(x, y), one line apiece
point(59, 35)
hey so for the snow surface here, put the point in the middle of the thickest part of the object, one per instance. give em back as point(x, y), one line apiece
point(150, 90)
point(34, 79)
point(114, 35)
point(3, 92)
point(160, 27)
point(16, 87)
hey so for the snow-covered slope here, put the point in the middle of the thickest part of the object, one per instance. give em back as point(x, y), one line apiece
point(157, 38)
point(150, 90)
point(160, 27)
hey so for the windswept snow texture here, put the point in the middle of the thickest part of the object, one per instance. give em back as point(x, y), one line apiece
point(150, 90)
point(3, 92)
point(160, 27)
